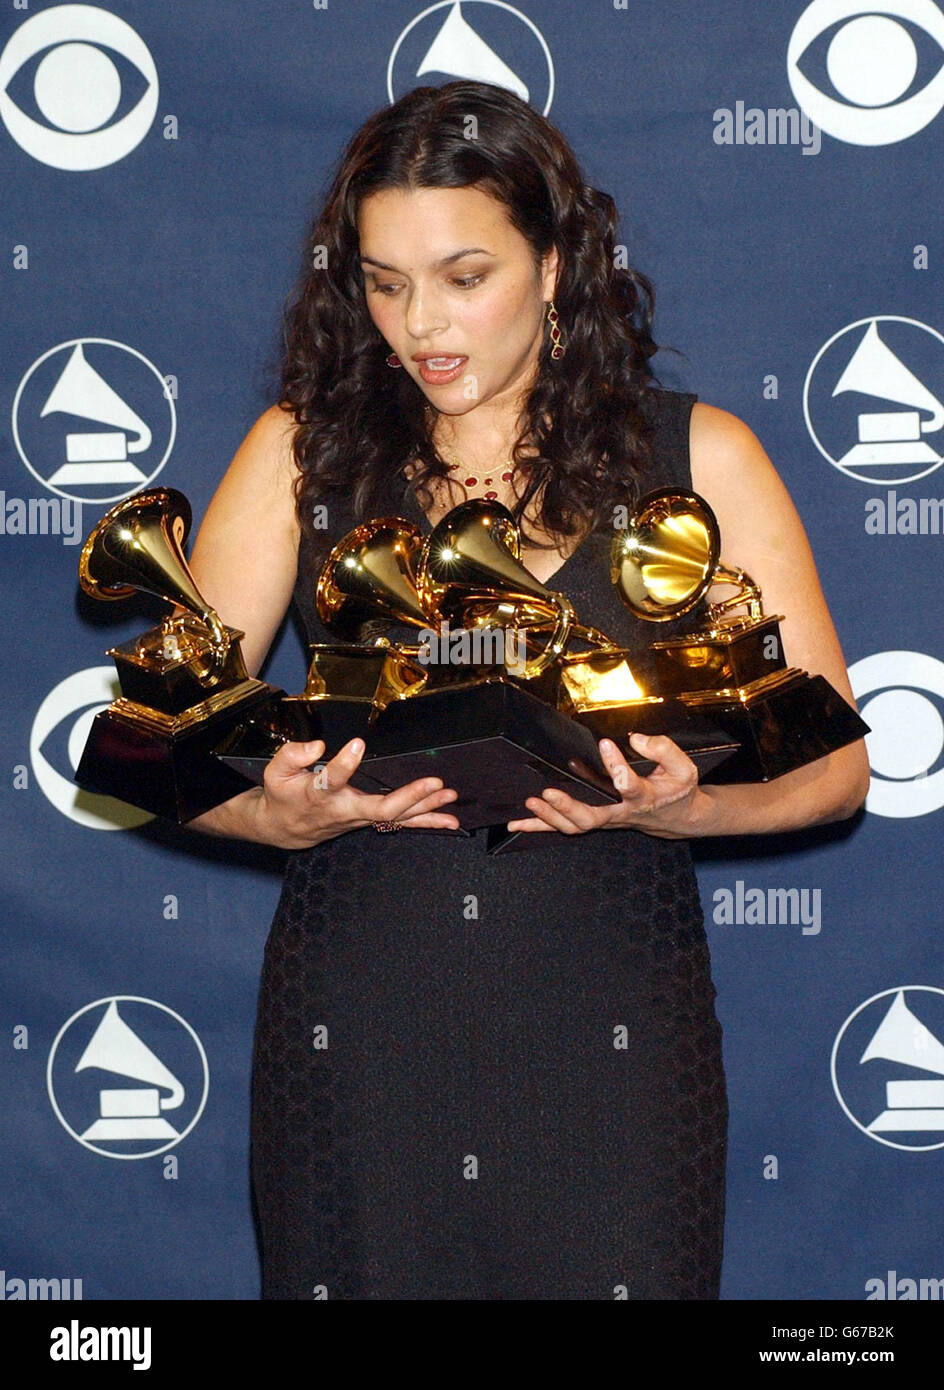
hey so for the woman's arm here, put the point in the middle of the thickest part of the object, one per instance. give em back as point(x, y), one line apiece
point(762, 534)
point(245, 563)
point(245, 557)
point(251, 515)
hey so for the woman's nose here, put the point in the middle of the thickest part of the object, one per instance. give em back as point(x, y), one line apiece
point(425, 313)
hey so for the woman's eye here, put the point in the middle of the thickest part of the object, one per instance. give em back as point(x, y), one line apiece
point(463, 282)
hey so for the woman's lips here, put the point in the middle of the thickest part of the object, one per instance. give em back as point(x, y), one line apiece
point(437, 371)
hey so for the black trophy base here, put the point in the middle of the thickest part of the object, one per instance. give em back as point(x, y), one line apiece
point(248, 749)
point(700, 736)
point(784, 727)
point(169, 773)
point(705, 743)
point(494, 743)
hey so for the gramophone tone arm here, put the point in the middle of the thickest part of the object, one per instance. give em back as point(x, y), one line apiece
point(219, 638)
point(539, 621)
point(566, 617)
point(212, 663)
point(533, 617)
point(748, 592)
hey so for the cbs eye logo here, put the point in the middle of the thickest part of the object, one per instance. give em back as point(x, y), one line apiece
point(907, 736)
point(53, 741)
point(884, 67)
point(78, 67)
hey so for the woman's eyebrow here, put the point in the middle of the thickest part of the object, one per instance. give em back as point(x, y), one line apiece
point(445, 260)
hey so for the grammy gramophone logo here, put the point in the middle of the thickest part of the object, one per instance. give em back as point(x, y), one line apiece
point(874, 400)
point(479, 40)
point(887, 1067)
point(94, 420)
point(127, 1077)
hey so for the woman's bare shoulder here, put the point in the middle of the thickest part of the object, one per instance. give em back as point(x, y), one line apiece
point(261, 476)
point(268, 443)
point(717, 434)
point(276, 420)
point(729, 464)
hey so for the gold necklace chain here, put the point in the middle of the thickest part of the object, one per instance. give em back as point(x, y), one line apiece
point(472, 479)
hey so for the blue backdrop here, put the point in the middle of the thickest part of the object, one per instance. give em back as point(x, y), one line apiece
point(775, 167)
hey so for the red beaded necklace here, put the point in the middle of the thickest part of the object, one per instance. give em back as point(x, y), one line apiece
point(472, 481)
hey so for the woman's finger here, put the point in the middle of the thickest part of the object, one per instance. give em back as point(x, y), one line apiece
point(289, 761)
point(427, 794)
point(580, 815)
point(671, 761)
point(337, 772)
point(429, 820)
point(555, 819)
point(434, 801)
point(616, 765)
point(528, 825)
point(631, 787)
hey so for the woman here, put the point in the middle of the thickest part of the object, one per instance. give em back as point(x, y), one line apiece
point(490, 1076)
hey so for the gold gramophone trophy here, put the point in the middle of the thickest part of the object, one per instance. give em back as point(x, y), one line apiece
point(470, 567)
point(192, 729)
point(184, 684)
point(467, 722)
point(732, 671)
point(477, 724)
point(369, 577)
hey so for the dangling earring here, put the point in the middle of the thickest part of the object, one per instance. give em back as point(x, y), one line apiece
point(392, 360)
point(557, 342)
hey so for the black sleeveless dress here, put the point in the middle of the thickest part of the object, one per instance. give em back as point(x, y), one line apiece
point(493, 1077)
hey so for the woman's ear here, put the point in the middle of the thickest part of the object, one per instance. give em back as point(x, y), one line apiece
point(550, 273)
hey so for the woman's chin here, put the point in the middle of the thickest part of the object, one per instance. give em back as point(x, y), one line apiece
point(450, 403)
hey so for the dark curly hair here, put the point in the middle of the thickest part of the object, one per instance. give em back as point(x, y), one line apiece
point(358, 424)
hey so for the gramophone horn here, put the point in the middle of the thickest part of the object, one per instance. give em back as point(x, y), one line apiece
point(139, 545)
point(371, 571)
point(668, 558)
point(471, 558)
point(664, 563)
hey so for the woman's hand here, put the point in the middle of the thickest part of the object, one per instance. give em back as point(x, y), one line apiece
point(659, 804)
point(299, 806)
